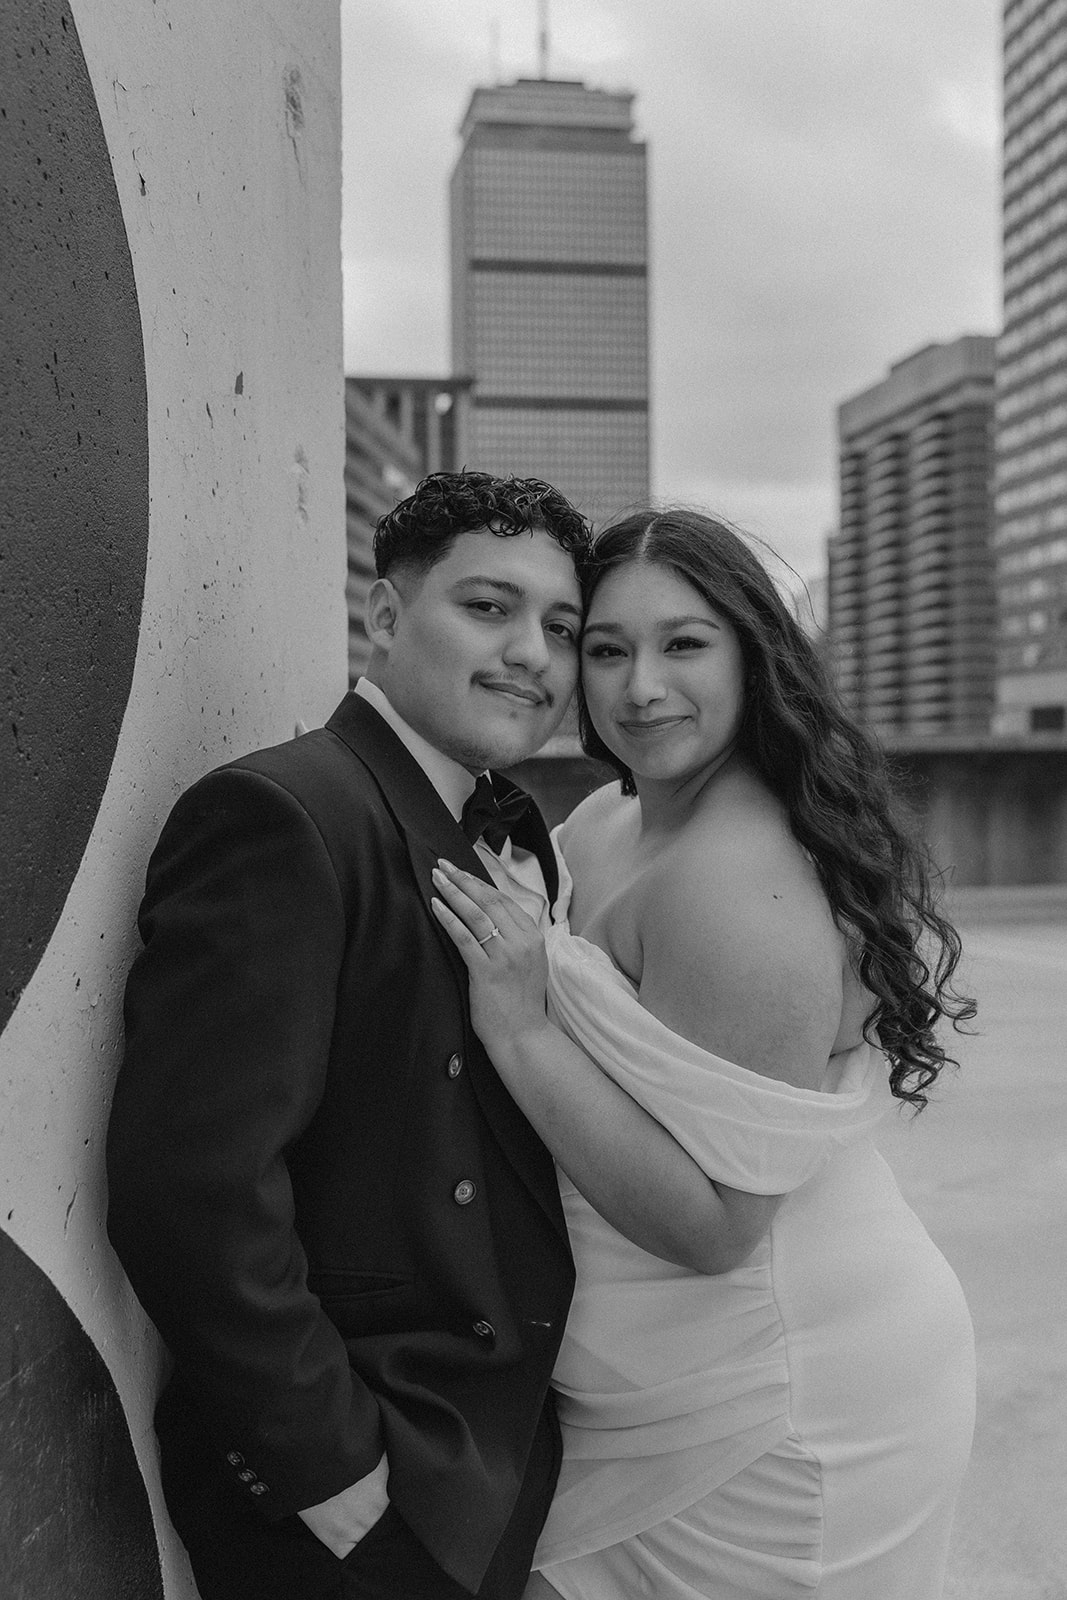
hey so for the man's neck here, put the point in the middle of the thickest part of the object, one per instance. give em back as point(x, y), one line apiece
point(451, 780)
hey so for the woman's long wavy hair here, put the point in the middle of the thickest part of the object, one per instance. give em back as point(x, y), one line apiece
point(830, 777)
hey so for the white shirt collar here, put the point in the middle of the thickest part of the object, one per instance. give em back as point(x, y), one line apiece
point(453, 782)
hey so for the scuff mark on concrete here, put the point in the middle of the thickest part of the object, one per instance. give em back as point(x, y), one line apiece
point(300, 466)
point(294, 115)
point(294, 101)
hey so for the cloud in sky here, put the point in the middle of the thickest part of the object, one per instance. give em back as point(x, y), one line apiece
point(823, 183)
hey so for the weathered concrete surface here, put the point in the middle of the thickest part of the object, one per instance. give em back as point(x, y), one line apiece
point(172, 182)
point(986, 1169)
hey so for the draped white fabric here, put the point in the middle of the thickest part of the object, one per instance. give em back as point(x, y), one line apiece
point(670, 1382)
point(746, 1130)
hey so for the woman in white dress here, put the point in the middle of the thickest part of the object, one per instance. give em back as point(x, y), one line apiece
point(766, 1385)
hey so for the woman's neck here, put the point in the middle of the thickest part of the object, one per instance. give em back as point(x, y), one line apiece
point(668, 804)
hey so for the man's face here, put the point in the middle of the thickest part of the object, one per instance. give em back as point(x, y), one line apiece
point(480, 654)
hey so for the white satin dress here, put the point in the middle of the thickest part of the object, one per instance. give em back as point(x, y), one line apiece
point(798, 1427)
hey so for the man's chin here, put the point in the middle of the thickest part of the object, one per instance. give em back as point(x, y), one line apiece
point(509, 745)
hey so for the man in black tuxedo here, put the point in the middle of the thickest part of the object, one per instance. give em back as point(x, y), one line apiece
point(347, 1234)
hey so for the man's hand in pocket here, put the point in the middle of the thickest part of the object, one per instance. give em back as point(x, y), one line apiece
point(343, 1520)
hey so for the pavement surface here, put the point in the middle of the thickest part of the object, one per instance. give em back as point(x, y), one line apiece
point(985, 1167)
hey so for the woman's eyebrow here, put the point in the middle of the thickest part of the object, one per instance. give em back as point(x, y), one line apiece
point(687, 622)
point(664, 626)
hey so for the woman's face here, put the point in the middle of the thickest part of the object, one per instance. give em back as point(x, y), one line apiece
point(662, 673)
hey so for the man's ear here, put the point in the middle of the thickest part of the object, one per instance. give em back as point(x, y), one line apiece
point(384, 605)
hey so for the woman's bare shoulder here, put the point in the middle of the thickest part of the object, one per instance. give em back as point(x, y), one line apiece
point(590, 816)
point(742, 873)
point(741, 952)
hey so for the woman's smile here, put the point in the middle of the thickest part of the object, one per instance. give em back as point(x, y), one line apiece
point(648, 727)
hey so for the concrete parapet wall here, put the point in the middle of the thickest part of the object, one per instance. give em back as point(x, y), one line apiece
point(991, 814)
point(995, 816)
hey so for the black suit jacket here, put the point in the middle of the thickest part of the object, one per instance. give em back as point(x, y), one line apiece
point(346, 1232)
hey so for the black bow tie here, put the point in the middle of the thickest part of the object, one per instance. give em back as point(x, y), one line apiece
point(491, 816)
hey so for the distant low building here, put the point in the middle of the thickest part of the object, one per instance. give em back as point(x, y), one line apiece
point(396, 431)
point(911, 598)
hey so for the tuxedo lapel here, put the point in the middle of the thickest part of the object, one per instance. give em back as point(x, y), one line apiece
point(429, 830)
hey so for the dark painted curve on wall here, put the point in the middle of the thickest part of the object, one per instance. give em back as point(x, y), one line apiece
point(74, 1515)
point(74, 468)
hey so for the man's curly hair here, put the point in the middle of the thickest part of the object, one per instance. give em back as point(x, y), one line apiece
point(421, 530)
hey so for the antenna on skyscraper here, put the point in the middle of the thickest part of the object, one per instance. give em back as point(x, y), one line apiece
point(542, 36)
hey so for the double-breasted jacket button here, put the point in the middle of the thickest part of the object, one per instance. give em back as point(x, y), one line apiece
point(455, 1065)
point(258, 1488)
point(485, 1330)
point(464, 1192)
point(246, 1476)
point(235, 1458)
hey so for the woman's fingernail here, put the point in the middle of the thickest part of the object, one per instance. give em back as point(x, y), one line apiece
point(441, 862)
point(438, 875)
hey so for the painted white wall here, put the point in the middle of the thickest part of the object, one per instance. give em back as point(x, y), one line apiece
point(223, 122)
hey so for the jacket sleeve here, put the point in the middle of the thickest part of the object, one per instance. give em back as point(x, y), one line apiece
point(229, 1015)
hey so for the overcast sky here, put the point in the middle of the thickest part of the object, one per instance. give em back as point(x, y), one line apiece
point(823, 181)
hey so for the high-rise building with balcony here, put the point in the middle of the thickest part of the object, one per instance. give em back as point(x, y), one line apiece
point(1031, 411)
point(911, 604)
point(550, 289)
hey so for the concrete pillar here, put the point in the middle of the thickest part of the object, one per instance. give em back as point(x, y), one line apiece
point(173, 594)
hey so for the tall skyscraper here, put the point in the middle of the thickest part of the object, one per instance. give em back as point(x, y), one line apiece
point(550, 289)
point(1031, 413)
point(911, 586)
